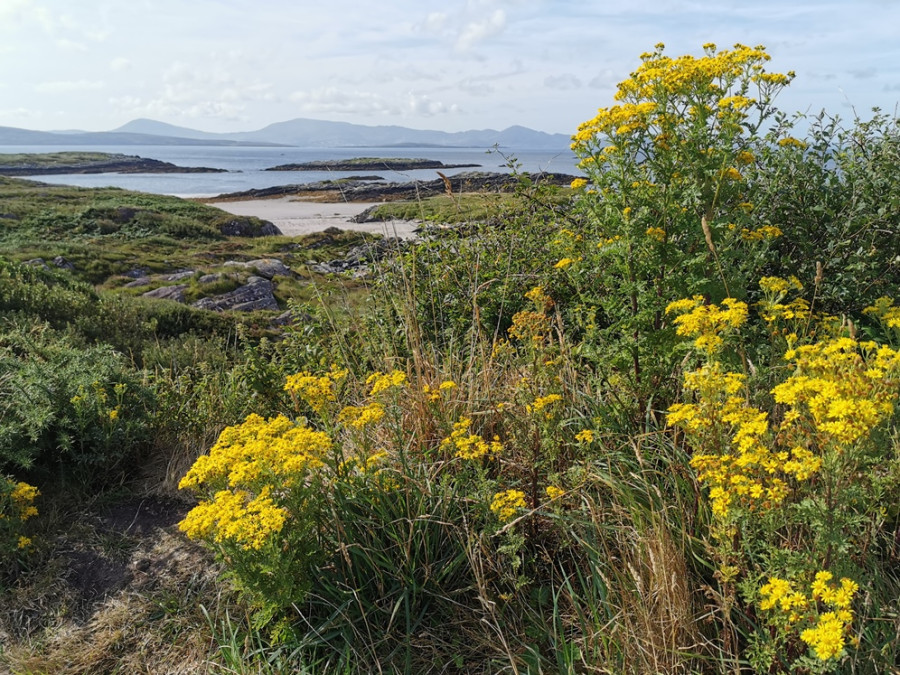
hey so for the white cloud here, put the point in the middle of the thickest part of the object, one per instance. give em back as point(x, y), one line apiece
point(334, 100)
point(422, 105)
point(67, 86)
point(482, 29)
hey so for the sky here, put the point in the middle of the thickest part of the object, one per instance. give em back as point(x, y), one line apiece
point(239, 65)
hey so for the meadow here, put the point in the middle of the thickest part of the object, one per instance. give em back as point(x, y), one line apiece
point(644, 424)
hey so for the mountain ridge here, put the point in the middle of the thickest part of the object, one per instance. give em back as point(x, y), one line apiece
point(299, 132)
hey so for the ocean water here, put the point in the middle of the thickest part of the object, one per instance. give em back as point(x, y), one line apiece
point(245, 166)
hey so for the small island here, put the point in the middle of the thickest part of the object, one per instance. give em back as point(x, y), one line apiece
point(50, 163)
point(370, 164)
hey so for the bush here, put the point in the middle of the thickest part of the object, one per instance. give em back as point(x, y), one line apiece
point(79, 408)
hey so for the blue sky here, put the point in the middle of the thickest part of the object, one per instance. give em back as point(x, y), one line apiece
point(235, 65)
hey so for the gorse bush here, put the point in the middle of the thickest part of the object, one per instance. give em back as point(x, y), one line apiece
point(67, 405)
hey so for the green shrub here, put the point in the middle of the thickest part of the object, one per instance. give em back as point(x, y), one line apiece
point(81, 409)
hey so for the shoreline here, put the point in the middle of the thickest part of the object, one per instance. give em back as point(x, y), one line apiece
point(297, 217)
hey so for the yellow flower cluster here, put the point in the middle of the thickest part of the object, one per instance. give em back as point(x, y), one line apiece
point(761, 233)
point(707, 323)
point(317, 390)
point(542, 402)
point(383, 381)
point(656, 233)
point(713, 84)
point(434, 394)
point(585, 436)
point(16, 506)
point(242, 468)
point(745, 472)
point(578, 183)
point(772, 308)
point(259, 449)
point(507, 503)
point(236, 517)
point(22, 498)
point(827, 630)
point(554, 492)
point(528, 326)
point(885, 311)
point(565, 262)
point(844, 387)
point(468, 445)
point(360, 416)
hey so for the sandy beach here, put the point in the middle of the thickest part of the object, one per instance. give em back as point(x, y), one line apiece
point(294, 217)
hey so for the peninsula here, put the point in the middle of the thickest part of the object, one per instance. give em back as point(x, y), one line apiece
point(49, 163)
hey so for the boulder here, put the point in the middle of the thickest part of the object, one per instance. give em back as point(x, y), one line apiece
point(246, 227)
point(62, 263)
point(175, 293)
point(265, 267)
point(137, 283)
point(255, 294)
point(178, 276)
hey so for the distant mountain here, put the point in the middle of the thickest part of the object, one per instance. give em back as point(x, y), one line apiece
point(319, 133)
point(297, 132)
point(14, 136)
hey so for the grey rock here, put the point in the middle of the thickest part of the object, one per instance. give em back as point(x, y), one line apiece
point(246, 227)
point(137, 273)
point(36, 262)
point(265, 267)
point(255, 294)
point(175, 293)
point(137, 283)
point(209, 278)
point(62, 263)
point(178, 276)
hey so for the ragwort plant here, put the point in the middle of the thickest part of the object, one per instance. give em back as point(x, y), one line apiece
point(667, 209)
point(797, 500)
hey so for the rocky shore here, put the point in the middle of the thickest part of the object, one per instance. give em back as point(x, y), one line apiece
point(372, 191)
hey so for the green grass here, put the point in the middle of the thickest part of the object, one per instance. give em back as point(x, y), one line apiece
point(56, 159)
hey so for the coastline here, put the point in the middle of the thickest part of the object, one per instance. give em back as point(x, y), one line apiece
point(296, 217)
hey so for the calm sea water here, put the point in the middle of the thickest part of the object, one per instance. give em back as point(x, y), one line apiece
point(245, 166)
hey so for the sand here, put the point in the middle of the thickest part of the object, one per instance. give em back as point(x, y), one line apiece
point(294, 217)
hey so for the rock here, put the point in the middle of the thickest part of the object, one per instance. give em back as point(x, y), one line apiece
point(265, 267)
point(178, 276)
point(358, 257)
point(62, 263)
point(137, 283)
point(209, 278)
point(175, 293)
point(256, 294)
point(137, 273)
point(36, 262)
point(249, 227)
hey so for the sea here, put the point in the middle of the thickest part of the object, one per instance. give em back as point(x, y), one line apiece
point(245, 165)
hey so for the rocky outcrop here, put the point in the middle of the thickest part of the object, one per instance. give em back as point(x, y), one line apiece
point(359, 257)
point(256, 294)
point(265, 267)
point(248, 227)
point(175, 293)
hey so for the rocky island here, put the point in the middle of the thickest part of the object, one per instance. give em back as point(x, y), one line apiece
point(376, 191)
point(50, 163)
point(370, 164)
